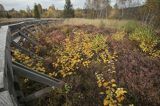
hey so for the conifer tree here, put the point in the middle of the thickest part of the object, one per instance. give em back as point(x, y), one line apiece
point(68, 10)
point(36, 11)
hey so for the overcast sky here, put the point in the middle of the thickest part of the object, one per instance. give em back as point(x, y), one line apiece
point(22, 4)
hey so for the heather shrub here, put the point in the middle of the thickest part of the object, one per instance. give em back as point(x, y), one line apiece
point(137, 72)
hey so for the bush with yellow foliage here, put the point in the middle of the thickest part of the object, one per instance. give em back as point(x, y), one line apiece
point(22, 58)
point(81, 51)
point(114, 96)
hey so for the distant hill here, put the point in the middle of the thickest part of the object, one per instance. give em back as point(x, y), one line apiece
point(1, 7)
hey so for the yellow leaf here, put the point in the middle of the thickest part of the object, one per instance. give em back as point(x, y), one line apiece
point(99, 85)
point(114, 85)
point(105, 84)
point(101, 93)
point(113, 80)
point(105, 102)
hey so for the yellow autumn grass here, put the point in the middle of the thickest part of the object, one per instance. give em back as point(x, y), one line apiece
point(108, 23)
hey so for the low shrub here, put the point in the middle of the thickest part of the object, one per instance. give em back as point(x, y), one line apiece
point(137, 72)
point(147, 40)
point(76, 60)
point(118, 36)
point(81, 51)
point(130, 26)
point(114, 96)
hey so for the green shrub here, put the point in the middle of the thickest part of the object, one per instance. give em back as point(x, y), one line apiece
point(131, 26)
point(147, 40)
point(119, 36)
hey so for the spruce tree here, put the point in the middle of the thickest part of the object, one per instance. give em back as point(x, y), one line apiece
point(68, 10)
point(36, 11)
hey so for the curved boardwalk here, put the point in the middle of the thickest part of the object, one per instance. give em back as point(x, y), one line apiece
point(5, 98)
point(10, 93)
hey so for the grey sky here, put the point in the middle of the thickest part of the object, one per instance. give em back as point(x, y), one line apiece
point(22, 4)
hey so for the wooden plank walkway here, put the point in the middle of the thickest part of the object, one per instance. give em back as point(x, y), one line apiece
point(3, 33)
point(5, 99)
point(9, 71)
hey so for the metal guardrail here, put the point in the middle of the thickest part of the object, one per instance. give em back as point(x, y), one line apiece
point(10, 92)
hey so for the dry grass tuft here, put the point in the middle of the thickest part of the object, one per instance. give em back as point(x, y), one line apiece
point(111, 23)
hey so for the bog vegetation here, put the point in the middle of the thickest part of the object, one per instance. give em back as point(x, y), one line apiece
point(112, 58)
point(100, 66)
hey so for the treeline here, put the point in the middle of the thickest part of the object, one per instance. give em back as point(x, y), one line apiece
point(51, 12)
point(147, 12)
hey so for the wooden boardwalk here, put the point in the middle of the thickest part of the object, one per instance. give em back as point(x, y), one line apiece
point(5, 97)
point(10, 93)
